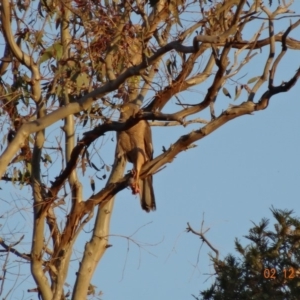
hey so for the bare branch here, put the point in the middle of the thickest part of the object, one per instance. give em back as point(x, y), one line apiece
point(175, 123)
point(18, 53)
point(10, 248)
point(6, 29)
point(38, 244)
point(282, 53)
point(201, 234)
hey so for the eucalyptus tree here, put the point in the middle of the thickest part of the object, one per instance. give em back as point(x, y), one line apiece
point(68, 66)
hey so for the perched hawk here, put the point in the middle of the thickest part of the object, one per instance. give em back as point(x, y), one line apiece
point(136, 145)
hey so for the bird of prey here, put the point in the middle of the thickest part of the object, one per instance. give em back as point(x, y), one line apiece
point(135, 144)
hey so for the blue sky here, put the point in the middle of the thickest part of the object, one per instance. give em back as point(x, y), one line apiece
point(232, 177)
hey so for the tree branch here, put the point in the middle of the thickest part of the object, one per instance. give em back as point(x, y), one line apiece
point(98, 131)
point(203, 238)
point(10, 248)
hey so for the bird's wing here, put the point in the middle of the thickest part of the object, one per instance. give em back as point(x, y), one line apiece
point(123, 144)
point(148, 141)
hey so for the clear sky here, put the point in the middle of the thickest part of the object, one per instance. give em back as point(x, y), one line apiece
point(232, 177)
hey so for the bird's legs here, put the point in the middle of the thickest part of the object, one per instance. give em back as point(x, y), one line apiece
point(137, 166)
point(135, 185)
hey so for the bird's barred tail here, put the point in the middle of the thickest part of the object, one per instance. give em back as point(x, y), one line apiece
point(147, 194)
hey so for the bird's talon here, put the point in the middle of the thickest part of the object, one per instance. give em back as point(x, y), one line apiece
point(135, 189)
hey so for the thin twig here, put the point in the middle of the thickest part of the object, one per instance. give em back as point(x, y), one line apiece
point(203, 238)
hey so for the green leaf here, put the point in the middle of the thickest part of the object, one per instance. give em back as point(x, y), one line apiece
point(174, 64)
point(48, 158)
point(92, 182)
point(82, 80)
point(253, 79)
point(54, 51)
point(226, 93)
point(29, 167)
point(238, 90)
point(87, 155)
point(14, 175)
point(94, 166)
point(169, 66)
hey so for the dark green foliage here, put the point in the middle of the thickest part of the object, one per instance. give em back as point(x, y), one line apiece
point(267, 268)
